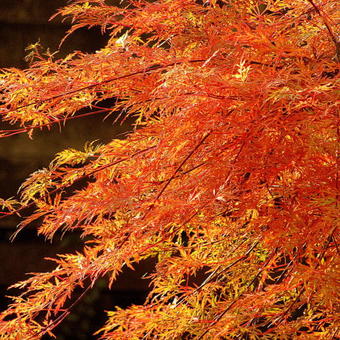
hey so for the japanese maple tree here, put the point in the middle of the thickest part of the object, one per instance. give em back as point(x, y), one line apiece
point(231, 171)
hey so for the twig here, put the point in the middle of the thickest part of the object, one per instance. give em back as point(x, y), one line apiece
point(330, 31)
point(219, 316)
point(181, 165)
point(76, 180)
point(106, 81)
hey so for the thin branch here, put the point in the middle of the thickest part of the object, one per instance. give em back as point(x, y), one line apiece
point(330, 31)
point(219, 316)
point(218, 272)
point(106, 81)
point(181, 165)
point(64, 314)
point(303, 289)
point(76, 180)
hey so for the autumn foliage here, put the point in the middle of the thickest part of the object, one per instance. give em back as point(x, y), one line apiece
point(231, 171)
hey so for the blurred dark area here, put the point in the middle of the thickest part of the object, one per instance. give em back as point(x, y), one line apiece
point(24, 22)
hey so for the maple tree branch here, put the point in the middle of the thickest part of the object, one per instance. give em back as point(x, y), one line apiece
point(11, 132)
point(336, 244)
point(329, 29)
point(303, 289)
point(217, 272)
point(64, 314)
point(6, 214)
point(106, 81)
point(219, 316)
point(181, 165)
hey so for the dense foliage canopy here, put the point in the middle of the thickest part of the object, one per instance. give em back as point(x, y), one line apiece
point(231, 171)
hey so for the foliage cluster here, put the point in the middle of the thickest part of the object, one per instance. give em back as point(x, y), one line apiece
point(231, 172)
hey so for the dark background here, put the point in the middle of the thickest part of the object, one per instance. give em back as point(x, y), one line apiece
point(23, 22)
